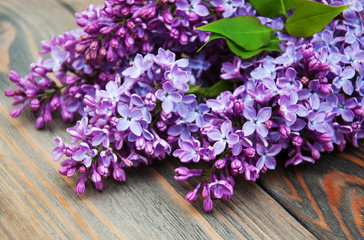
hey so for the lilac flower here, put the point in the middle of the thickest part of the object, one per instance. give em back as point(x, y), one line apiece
point(188, 151)
point(106, 108)
point(343, 106)
point(196, 113)
point(266, 70)
point(288, 108)
point(80, 131)
point(313, 94)
point(182, 129)
point(107, 156)
point(100, 136)
point(316, 121)
point(112, 92)
point(222, 137)
point(261, 94)
point(343, 79)
point(129, 119)
point(138, 101)
point(267, 156)
point(256, 122)
point(231, 70)
point(221, 105)
point(220, 188)
point(243, 141)
point(207, 154)
point(140, 65)
point(58, 58)
point(194, 6)
point(168, 97)
point(178, 77)
point(84, 154)
point(228, 6)
point(298, 158)
point(165, 58)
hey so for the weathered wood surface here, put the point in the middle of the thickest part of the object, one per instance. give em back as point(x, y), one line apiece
point(38, 203)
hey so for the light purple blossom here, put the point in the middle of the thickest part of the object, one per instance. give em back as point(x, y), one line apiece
point(223, 137)
point(256, 122)
point(267, 156)
point(168, 96)
point(84, 154)
point(129, 119)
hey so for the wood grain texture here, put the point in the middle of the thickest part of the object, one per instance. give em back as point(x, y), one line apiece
point(80, 5)
point(327, 197)
point(38, 203)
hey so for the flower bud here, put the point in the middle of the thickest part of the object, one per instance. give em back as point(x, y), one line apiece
point(14, 76)
point(161, 125)
point(326, 88)
point(268, 124)
point(191, 196)
point(55, 103)
point(325, 137)
point(307, 51)
point(47, 117)
point(140, 143)
point(284, 130)
point(34, 104)
point(304, 80)
point(314, 65)
point(15, 112)
point(208, 205)
point(119, 174)
point(220, 163)
point(249, 152)
point(80, 187)
point(297, 141)
point(220, 8)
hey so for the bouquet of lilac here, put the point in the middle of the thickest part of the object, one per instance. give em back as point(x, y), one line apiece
point(134, 77)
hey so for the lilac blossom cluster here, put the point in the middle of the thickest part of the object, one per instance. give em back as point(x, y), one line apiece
point(305, 101)
point(127, 122)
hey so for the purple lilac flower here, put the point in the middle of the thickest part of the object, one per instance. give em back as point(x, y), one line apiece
point(223, 137)
point(168, 96)
point(84, 154)
point(256, 122)
point(129, 119)
point(188, 151)
point(267, 156)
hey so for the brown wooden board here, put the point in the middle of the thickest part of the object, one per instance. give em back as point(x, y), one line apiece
point(38, 203)
point(327, 197)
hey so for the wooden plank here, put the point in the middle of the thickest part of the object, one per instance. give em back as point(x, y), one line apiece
point(36, 202)
point(327, 197)
point(80, 5)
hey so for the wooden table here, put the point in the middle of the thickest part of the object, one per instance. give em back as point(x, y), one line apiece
point(323, 201)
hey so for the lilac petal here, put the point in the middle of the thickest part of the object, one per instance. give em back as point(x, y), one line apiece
point(123, 124)
point(136, 100)
point(348, 87)
point(136, 114)
point(136, 128)
point(78, 156)
point(348, 73)
point(186, 157)
point(219, 147)
point(237, 148)
point(347, 115)
point(123, 110)
point(261, 162)
point(167, 106)
point(160, 94)
point(270, 162)
point(298, 125)
point(175, 130)
point(215, 135)
point(168, 87)
point(201, 10)
point(98, 139)
point(175, 97)
point(87, 162)
point(248, 128)
point(226, 127)
point(351, 103)
point(264, 114)
point(262, 130)
point(233, 139)
point(261, 149)
point(250, 113)
point(274, 150)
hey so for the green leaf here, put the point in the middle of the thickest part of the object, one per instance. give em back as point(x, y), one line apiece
point(193, 88)
point(272, 8)
point(272, 46)
point(246, 31)
point(216, 89)
point(311, 17)
point(213, 36)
